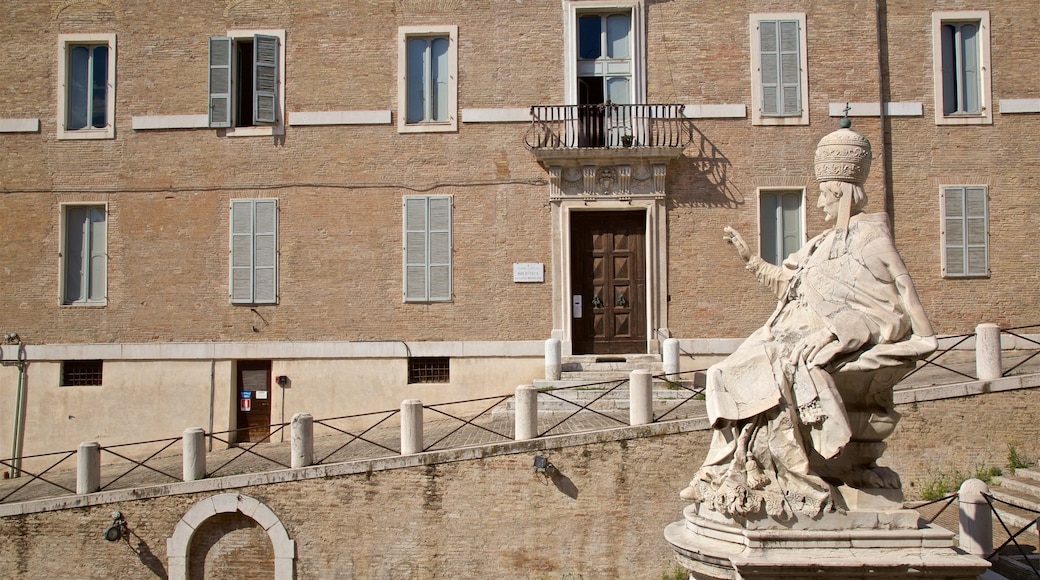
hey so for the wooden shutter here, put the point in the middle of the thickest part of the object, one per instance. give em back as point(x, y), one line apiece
point(415, 248)
point(265, 79)
point(220, 82)
point(780, 59)
point(440, 248)
point(965, 232)
point(242, 250)
point(265, 251)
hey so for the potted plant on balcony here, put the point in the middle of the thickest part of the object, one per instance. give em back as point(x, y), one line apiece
point(627, 140)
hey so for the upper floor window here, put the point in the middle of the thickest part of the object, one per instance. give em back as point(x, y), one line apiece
point(86, 101)
point(780, 76)
point(428, 87)
point(960, 42)
point(427, 249)
point(246, 69)
point(780, 223)
point(254, 251)
point(965, 232)
point(604, 47)
point(84, 254)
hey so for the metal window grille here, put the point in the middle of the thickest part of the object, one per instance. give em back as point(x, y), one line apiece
point(81, 373)
point(428, 369)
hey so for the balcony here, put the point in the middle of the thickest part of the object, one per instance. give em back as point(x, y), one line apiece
point(585, 132)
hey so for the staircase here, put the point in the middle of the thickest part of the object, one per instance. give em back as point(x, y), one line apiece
point(1023, 490)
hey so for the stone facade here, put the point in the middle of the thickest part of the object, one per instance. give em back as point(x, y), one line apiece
point(341, 171)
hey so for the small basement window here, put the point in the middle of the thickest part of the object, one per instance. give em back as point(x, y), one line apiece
point(428, 369)
point(81, 373)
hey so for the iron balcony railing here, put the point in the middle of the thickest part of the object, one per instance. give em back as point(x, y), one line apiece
point(607, 126)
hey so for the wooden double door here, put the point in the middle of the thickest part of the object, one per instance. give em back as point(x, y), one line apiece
point(608, 279)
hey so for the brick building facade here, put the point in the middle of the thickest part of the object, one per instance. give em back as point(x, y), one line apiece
point(391, 199)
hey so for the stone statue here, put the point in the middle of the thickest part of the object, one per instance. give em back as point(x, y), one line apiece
point(804, 403)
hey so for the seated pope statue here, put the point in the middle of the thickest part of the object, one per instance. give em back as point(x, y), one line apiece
point(845, 304)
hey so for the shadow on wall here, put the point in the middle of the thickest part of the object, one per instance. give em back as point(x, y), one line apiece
point(703, 177)
point(145, 554)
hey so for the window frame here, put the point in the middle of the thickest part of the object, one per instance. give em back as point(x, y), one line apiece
point(757, 116)
point(65, 43)
point(404, 33)
point(427, 263)
point(985, 114)
point(797, 191)
point(944, 192)
point(276, 128)
point(99, 372)
point(63, 261)
point(572, 10)
point(253, 235)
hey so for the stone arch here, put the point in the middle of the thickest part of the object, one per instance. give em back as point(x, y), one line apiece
point(178, 544)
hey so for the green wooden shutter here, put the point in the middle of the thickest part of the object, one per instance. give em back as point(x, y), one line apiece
point(265, 79)
point(415, 248)
point(965, 234)
point(265, 251)
point(220, 82)
point(769, 43)
point(242, 250)
point(790, 64)
point(440, 248)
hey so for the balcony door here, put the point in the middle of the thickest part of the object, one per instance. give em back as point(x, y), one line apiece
point(608, 278)
point(604, 70)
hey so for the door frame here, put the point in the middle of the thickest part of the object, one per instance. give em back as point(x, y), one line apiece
point(656, 267)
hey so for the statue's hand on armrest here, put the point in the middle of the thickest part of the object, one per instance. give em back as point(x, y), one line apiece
point(817, 349)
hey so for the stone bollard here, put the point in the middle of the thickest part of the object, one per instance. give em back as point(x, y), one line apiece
point(670, 356)
point(194, 457)
point(525, 415)
point(988, 365)
point(88, 467)
point(641, 397)
point(302, 440)
point(411, 427)
point(976, 519)
point(553, 359)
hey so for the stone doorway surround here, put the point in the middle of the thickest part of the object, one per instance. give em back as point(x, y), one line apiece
point(609, 182)
point(178, 544)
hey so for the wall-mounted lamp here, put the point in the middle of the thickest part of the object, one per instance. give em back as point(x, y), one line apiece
point(282, 380)
point(542, 465)
point(117, 530)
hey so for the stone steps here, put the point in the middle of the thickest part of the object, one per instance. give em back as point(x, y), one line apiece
point(1022, 491)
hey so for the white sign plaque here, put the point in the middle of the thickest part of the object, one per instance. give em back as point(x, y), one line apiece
point(529, 272)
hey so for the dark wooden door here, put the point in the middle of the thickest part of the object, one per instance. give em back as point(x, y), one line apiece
point(608, 271)
point(254, 401)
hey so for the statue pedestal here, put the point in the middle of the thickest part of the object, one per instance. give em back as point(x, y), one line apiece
point(876, 538)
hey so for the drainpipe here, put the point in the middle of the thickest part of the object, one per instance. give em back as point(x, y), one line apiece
point(212, 390)
point(888, 195)
point(18, 436)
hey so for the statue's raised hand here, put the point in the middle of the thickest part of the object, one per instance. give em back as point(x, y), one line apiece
point(732, 236)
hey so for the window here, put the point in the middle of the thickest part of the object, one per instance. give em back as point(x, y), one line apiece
point(965, 232)
point(86, 102)
point(605, 53)
point(780, 75)
point(429, 369)
point(780, 220)
point(245, 82)
point(428, 87)
point(81, 373)
point(84, 254)
point(254, 251)
point(960, 43)
point(427, 249)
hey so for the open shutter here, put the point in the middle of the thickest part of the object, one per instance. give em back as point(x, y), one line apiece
point(220, 82)
point(769, 42)
point(790, 61)
point(415, 248)
point(440, 248)
point(242, 251)
point(265, 251)
point(265, 79)
point(98, 271)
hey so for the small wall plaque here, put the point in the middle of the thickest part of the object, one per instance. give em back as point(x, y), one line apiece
point(529, 272)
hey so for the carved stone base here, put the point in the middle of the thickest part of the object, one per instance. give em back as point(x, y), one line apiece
point(866, 542)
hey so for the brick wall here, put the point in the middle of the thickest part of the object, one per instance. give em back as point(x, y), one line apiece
point(602, 516)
